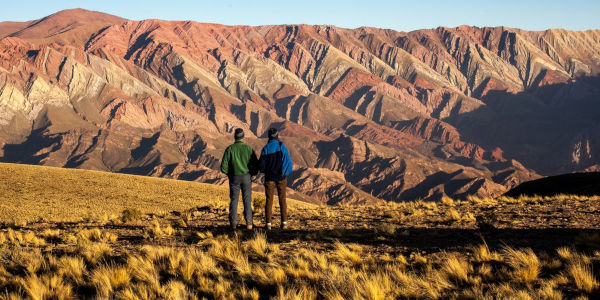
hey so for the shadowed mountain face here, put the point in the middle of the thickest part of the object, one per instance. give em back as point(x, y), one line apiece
point(367, 114)
point(584, 184)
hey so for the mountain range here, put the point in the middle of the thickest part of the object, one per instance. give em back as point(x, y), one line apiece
point(368, 114)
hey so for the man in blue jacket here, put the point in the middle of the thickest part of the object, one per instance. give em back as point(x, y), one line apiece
point(276, 163)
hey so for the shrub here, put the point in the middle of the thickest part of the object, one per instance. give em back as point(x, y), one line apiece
point(258, 203)
point(385, 228)
point(130, 215)
point(486, 221)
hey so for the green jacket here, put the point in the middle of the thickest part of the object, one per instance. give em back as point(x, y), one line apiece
point(239, 159)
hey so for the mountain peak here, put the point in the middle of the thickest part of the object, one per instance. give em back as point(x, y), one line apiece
point(84, 15)
point(70, 26)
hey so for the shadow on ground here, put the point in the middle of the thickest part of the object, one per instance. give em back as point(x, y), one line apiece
point(423, 239)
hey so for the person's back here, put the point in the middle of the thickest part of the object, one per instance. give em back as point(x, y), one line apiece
point(276, 164)
point(239, 163)
point(236, 160)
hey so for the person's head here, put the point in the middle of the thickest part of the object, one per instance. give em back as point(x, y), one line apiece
point(273, 134)
point(238, 134)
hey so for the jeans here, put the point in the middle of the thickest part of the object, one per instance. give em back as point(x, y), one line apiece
point(269, 191)
point(235, 183)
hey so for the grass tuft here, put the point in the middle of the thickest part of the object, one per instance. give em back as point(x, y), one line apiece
point(525, 264)
point(582, 276)
point(347, 255)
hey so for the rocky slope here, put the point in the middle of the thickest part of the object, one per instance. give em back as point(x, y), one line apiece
point(368, 113)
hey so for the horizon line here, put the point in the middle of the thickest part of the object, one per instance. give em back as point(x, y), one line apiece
point(292, 24)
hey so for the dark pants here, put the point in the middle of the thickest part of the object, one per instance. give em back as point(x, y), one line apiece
point(235, 183)
point(269, 191)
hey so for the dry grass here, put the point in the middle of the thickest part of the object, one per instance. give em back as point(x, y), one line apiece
point(225, 267)
point(348, 254)
point(457, 268)
point(72, 195)
point(156, 231)
point(96, 235)
point(93, 253)
point(258, 246)
point(360, 252)
point(482, 253)
point(107, 280)
point(452, 215)
point(583, 277)
point(524, 263)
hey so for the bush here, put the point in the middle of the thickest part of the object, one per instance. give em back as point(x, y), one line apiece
point(131, 214)
point(258, 203)
point(486, 221)
point(385, 228)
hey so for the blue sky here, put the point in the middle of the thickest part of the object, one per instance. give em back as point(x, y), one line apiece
point(398, 15)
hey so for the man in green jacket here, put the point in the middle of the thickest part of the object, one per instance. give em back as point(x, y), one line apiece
point(240, 163)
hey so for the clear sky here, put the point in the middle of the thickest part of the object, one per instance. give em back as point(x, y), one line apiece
point(399, 15)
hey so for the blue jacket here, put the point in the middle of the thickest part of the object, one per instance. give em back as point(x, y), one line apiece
point(275, 161)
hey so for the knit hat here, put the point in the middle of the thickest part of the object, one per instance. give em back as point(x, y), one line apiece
point(273, 134)
point(238, 134)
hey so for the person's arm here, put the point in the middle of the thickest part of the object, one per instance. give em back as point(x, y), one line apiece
point(253, 164)
point(261, 161)
point(287, 161)
point(225, 162)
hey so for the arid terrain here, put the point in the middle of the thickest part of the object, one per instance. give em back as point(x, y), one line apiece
point(169, 239)
point(369, 114)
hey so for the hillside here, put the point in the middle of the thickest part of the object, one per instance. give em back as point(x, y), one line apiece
point(160, 248)
point(585, 184)
point(369, 114)
point(34, 193)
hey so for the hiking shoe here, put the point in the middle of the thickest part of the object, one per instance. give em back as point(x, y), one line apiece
point(233, 227)
point(268, 226)
point(249, 227)
point(283, 225)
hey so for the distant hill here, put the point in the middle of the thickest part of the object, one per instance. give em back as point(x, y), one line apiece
point(584, 184)
point(368, 114)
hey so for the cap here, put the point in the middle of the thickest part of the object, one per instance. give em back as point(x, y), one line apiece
point(272, 133)
point(238, 134)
